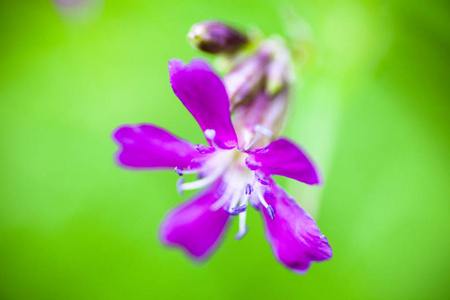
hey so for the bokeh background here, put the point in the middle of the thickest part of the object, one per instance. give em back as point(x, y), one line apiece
point(371, 106)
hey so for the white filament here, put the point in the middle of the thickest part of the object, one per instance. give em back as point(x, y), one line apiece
point(260, 132)
point(261, 198)
point(235, 199)
point(223, 199)
point(205, 181)
point(252, 141)
point(194, 171)
point(263, 130)
point(218, 164)
point(242, 224)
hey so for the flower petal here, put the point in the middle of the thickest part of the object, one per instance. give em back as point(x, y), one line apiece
point(148, 146)
point(282, 157)
point(203, 94)
point(194, 226)
point(294, 236)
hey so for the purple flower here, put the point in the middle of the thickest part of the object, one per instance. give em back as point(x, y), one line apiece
point(232, 172)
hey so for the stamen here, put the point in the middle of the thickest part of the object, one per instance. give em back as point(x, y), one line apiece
point(182, 172)
point(269, 208)
point(260, 177)
point(278, 105)
point(252, 141)
point(248, 189)
point(271, 212)
point(235, 199)
point(179, 171)
point(243, 228)
point(241, 233)
point(179, 185)
point(263, 130)
point(254, 202)
point(260, 132)
point(238, 203)
point(210, 133)
point(237, 209)
point(205, 181)
point(222, 200)
point(262, 200)
point(220, 190)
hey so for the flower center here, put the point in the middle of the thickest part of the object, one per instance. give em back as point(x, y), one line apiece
point(238, 184)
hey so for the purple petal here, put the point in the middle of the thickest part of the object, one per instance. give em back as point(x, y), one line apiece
point(294, 236)
point(148, 146)
point(203, 94)
point(194, 226)
point(282, 157)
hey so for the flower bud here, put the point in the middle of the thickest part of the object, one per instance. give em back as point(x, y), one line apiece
point(216, 37)
point(260, 120)
point(246, 78)
point(279, 70)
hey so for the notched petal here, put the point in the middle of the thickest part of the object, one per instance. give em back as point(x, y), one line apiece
point(283, 157)
point(203, 94)
point(295, 239)
point(194, 226)
point(148, 146)
point(175, 65)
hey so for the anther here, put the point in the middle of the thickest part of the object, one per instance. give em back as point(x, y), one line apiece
point(241, 233)
point(271, 212)
point(248, 189)
point(179, 171)
point(237, 210)
point(260, 177)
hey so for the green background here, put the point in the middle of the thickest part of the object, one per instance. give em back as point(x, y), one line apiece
point(372, 107)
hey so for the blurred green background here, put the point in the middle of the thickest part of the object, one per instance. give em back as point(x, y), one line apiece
point(372, 107)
